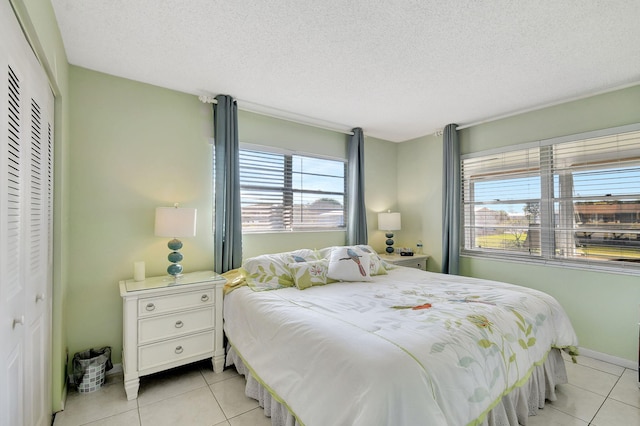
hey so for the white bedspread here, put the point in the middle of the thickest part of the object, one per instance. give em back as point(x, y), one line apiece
point(407, 348)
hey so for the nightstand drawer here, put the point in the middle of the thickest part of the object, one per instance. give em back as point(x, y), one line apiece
point(412, 263)
point(173, 350)
point(162, 304)
point(418, 261)
point(173, 325)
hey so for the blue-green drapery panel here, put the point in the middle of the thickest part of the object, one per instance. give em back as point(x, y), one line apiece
point(451, 201)
point(228, 218)
point(356, 210)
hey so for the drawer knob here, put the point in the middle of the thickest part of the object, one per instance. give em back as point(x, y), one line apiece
point(150, 307)
point(179, 350)
point(204, 297)
point(179, 324)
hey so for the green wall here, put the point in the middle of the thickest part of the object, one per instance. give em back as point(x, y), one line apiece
point(603, 306)
point(135, 147)
point(420, 196)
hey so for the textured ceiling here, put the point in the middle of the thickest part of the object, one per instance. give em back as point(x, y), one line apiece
point(400, 69)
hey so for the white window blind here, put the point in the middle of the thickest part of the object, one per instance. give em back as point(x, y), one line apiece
point(291, 192)
point(596, 196)
point(501, 201)
point(567, 200)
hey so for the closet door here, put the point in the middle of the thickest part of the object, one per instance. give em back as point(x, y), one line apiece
point(26, 184)
point(37, 271)
point(12, 283)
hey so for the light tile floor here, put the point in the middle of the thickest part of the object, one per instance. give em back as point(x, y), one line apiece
point(598, 393)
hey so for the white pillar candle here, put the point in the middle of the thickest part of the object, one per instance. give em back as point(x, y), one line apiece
point(138, 271)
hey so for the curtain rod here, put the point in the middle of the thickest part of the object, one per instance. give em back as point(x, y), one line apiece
point(284, 115)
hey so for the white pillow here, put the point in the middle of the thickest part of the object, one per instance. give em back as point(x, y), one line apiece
point(377, 265)
point(347, 264)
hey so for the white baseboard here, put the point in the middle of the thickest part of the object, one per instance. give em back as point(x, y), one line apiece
point(622, 362)
point(117, 369)
point(65, 392)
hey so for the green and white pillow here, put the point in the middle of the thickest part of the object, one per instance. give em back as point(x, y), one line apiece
point(309, 274)
point(271, 271)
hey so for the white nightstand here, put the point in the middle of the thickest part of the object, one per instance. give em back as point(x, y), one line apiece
point(167, 323)
point(418, 261)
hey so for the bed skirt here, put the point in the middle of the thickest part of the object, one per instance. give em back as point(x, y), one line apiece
point(512, 410)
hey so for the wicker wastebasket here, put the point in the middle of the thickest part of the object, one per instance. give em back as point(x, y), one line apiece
point(90, 367)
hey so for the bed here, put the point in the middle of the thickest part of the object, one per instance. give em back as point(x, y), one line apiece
point(339, 337)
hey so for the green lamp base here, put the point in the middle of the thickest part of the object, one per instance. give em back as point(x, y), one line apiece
point(175, 269)
point(389, 243)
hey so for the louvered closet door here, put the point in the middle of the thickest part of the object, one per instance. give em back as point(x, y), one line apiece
point(37, 257)
point(26, 185)
point(12, 284)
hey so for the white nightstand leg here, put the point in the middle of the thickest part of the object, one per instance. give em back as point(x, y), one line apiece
point(131, 387)
point(218, 363)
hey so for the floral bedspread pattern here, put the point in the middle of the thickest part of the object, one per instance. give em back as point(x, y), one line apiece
point(406, 348)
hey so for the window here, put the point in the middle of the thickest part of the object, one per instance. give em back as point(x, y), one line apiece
point(283, 191)
point(568, 200)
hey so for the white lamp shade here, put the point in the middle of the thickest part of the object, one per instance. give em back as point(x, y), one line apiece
point(389, 221)
point(175, 222)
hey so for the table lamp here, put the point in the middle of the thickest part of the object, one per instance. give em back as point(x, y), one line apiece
point(175, 222)
point(389, 222)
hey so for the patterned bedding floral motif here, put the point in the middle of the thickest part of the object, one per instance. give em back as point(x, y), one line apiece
point(448, 347)
point(507, 343)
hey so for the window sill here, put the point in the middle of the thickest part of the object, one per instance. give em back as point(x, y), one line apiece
point(627, 269)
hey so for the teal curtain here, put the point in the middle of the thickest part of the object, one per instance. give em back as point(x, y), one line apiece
point(356, 210)
point(451, 201)
point(228, 219)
